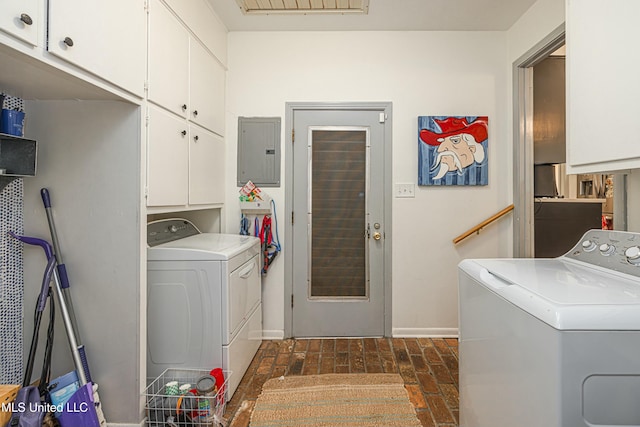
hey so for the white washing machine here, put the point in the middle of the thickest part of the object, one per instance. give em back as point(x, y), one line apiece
point(552, 342)
point(203, 299)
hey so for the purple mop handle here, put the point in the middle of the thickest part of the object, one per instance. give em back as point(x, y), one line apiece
point(44, 291)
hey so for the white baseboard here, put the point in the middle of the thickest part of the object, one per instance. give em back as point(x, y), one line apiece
point(141, 424)
point(277, 334)
point(425, 332)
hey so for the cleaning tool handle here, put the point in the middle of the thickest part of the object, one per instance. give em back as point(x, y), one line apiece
point(36, 242)
point(46, 279)
point(62, 269)
point(46, 199)
point(62, 273)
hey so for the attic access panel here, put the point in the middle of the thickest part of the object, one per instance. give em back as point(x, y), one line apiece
point(303, 6)
point(259, 151)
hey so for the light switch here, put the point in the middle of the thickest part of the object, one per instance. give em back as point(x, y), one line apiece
point(405, 190)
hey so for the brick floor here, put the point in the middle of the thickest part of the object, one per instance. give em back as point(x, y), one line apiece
point(429, 367)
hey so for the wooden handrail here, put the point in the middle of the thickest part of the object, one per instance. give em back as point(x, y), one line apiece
point(483, 224)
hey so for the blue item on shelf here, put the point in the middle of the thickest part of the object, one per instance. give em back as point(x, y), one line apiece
point(12, 122)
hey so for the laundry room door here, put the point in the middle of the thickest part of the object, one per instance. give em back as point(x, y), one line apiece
point(338, 223)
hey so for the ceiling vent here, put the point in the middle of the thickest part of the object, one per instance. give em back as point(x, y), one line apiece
point(303, 6)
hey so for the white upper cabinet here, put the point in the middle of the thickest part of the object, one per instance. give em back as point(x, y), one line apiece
point(204, 23)
point(184, 76)
point(206, 89)
point(106, 38)
point(206, 167)
point(603, 87)
point(167, 159)
point(21, 19)
point(168, 60)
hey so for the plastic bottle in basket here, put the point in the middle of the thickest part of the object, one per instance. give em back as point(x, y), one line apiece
point(206, 387)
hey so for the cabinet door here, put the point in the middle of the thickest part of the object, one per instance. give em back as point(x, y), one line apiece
point(21, 19)
point(167, 159)
point(106, 38)
point(168, 60)
point(206, 78)
point(206, 167)
point(602, 85)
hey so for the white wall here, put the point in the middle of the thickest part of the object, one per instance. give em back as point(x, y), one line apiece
point(421, 73)
point(539, 21)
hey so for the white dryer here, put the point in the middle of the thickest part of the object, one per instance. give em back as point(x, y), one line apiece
point(552, 342)
point(203, 299)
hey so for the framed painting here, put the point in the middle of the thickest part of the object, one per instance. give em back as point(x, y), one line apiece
point(452, 150)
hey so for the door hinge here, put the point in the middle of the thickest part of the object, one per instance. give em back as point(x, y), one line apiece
point(291, 217)
point(291, 300)
point(382, 118)
point(293, 135)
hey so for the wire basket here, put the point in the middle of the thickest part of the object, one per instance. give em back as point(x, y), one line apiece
point(167, 407)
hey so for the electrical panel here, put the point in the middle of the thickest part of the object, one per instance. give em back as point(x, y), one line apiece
point(259, 151)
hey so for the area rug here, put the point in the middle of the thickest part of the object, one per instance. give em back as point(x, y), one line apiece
point(337, 400)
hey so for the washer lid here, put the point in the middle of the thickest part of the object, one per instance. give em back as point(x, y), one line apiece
point(202, 247)
point(567, 295)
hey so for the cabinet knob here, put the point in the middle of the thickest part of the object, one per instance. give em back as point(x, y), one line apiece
point(183, 133)
point(196, 138)
point(195, 113)
point(26, 19)
point(184, 107)
point(68, 41)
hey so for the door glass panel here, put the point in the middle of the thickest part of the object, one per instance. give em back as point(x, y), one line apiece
point(338, 172)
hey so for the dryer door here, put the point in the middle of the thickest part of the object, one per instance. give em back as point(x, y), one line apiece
point(184, 315)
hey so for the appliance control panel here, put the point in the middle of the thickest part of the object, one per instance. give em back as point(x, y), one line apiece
point(615, 250)
point(168, 230)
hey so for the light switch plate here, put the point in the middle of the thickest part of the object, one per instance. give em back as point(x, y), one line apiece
point(405, 190)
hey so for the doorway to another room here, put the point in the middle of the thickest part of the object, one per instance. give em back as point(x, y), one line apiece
point(553, 209)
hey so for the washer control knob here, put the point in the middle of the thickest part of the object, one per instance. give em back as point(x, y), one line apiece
point(607, 249)
point(173, 229)
point(633, 255)
point(588, 245)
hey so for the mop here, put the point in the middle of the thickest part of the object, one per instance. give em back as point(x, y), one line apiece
point(88, 390)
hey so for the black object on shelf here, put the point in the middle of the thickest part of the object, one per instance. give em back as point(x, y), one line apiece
point(18, 158)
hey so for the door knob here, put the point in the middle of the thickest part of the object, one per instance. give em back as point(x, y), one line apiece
point(377, 236)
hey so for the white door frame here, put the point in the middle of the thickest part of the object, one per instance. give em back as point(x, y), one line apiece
point(291, 107)
point(523, 231)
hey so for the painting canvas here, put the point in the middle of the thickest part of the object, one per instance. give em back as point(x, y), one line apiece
point(452, 150)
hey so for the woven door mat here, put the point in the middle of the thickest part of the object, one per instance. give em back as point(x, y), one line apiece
point(349, 400)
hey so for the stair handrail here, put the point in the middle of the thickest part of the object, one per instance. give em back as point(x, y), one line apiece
point(483, 224)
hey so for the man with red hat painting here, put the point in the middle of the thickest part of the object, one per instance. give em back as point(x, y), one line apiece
point(453, 150)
